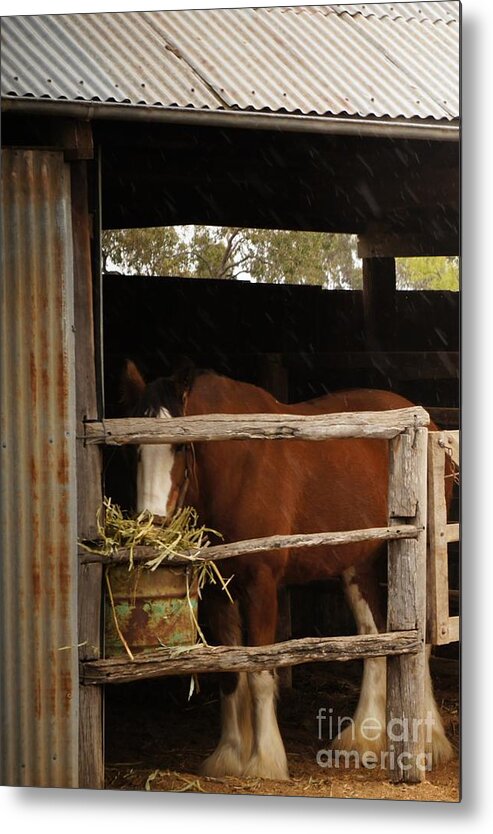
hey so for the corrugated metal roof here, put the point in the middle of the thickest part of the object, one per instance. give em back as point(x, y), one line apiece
point(428, 11)
point(38, 519)
point(375, 60)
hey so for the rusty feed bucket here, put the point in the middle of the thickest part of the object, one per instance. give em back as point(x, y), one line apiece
point(151, 608)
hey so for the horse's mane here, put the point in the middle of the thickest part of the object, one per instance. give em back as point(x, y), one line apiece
point(158, 394)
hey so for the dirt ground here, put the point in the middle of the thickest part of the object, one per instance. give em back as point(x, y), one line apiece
point(156, 738)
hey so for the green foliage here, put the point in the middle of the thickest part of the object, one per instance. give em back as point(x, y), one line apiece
point(274, 257)
point(265, 256)
point(145, 252)
point(428, 273)
point(278, 257)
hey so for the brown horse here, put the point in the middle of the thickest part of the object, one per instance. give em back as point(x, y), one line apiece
point(247, 489)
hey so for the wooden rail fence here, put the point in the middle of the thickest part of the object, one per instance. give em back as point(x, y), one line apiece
point(441, 627)
point(404, 641)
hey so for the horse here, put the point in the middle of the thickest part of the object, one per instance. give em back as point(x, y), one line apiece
point(248, 488)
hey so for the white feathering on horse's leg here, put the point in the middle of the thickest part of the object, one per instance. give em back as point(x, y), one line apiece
point(366, 731)
point(234, 748)
point(268, 759)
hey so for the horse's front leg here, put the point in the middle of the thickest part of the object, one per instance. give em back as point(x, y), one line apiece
point(233, 751)
point(365, 732)
point(235, 744)
point(268, 759)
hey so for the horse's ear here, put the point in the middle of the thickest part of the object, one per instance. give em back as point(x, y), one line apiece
point(132, 384)
point(183, 377)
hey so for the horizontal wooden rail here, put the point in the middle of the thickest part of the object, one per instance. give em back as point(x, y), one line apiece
point(142, 553)
point(441, 627)
point(201, 659)
point(374, 424)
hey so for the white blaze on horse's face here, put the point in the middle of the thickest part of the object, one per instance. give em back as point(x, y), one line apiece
point(154, 471)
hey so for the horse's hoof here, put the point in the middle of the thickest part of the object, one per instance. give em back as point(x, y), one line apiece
point(266, 768)
point(353, 747)
point(224, 761)
point(441, 749)
point(352, 741)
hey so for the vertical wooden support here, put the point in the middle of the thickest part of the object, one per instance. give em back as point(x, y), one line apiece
point(441, 628)
point(406, 607)
point(379, 302)
point(437, 573)
point(91, 764)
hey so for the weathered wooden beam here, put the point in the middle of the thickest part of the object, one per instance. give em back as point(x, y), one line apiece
point(141, 553)
point(406, 607)
point(439, 628)
point(437, 569)
point(89, 464)
point(201, 659)
point(370, 424)
point(75, 137)
point(382, 243)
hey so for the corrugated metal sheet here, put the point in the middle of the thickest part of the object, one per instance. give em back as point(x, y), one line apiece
point(378, 60)
point(97, 57)
point(430, 11)
point(38, 534)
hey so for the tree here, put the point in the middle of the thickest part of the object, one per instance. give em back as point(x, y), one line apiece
point(145, 252)
point(275, 257)
point(263, 255)
point(428, 273)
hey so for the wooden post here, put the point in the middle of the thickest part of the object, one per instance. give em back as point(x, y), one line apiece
point(406, 607)
point(91, 763)
point(437, 577)
point(75, 137)
point(379, 303)
point(441, 627)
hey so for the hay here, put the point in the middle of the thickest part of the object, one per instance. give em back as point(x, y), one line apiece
point(179, 537)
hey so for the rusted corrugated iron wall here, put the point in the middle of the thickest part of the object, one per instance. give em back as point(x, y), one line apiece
point(38, 576)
